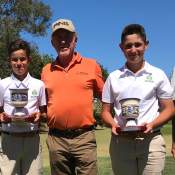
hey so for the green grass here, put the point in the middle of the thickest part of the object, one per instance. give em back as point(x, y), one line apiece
point(104, 164)
point(169, 166)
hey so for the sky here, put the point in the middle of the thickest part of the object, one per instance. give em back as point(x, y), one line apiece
point(99, 24)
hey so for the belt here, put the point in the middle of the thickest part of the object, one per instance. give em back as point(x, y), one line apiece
point(139, 134)
point(70, 133)
point(21, 134)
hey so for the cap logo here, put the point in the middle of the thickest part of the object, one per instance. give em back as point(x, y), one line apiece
point(61, 23)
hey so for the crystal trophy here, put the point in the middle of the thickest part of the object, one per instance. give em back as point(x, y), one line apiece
point(130, 113)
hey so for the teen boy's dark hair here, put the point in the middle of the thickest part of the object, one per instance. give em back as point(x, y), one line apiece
point(133, 29)
point(17, 45)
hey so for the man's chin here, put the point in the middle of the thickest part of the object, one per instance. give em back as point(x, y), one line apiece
point(64, 54)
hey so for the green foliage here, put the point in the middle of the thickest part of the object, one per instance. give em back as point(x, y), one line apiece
point(104, 72)
point(166, 130)
point(30, 15)
point(97, 111)
point(37, 62)
point(97, 102)
point(4, 64)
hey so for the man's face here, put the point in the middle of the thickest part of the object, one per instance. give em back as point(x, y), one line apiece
point(19, 63)
point(64, 42)
point(133, 48)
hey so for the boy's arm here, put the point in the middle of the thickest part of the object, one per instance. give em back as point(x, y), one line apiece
point(166, 114)
point(108, 119)
point(38, 116)
point(3, 116)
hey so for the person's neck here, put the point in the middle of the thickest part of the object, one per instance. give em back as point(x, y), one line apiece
point(64, 61)
point(20, 77)
point(135, 67)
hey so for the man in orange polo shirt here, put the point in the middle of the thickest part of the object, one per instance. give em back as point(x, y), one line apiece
point(71, 81)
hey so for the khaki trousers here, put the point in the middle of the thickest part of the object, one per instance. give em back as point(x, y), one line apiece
point(70, 156)
point(137, 156)
point(20, 155)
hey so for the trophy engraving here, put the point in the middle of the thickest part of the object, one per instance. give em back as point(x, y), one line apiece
point(19, 99)
point(130, 112)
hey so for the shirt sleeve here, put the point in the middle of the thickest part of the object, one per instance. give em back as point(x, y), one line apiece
point(164, 89)
point(1, 95)
point(42, 96)
point(173, 83)
point(107, 95)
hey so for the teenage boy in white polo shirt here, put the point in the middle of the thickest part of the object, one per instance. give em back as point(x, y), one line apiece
point(21, 150)
point(144, 152)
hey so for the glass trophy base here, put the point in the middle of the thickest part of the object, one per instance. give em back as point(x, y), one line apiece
point(133, 129)
point(19, 118)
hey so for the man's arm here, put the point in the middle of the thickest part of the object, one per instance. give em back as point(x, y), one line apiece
point(43, 111)
point(166, 113)
point(108, 119)
point(99, 82)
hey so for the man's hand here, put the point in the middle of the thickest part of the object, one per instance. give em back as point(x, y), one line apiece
point(34, 117)
point(5, 118)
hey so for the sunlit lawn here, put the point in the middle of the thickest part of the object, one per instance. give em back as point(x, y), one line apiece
point(103, 139)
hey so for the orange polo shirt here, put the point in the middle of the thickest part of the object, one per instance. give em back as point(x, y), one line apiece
point(70, 92)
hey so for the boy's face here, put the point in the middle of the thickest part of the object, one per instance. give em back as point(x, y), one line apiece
point(19, 62)
point(134, 48)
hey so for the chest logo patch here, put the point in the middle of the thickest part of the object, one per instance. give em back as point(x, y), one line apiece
point(149, 79)
point(34, 93)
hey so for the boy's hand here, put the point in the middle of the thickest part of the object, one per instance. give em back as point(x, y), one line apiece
point(34, 117)
point(5, 118)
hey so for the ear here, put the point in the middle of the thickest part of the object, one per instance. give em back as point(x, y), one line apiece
point(29, 59)
point(8, 59)
point(52, 42)
point(121, 46)
point(76, 39)
point(146, 44)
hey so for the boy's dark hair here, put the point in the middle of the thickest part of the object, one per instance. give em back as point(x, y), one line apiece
point(133, 29)
point(17, 45)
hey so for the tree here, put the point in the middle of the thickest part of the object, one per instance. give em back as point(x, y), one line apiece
point(37, 62)
point(97, 101)
point(104, 72)
point(18, 16)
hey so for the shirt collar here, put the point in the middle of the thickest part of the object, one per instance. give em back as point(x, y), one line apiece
point(145, 69)
point(21, 84)
point(76, 59)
